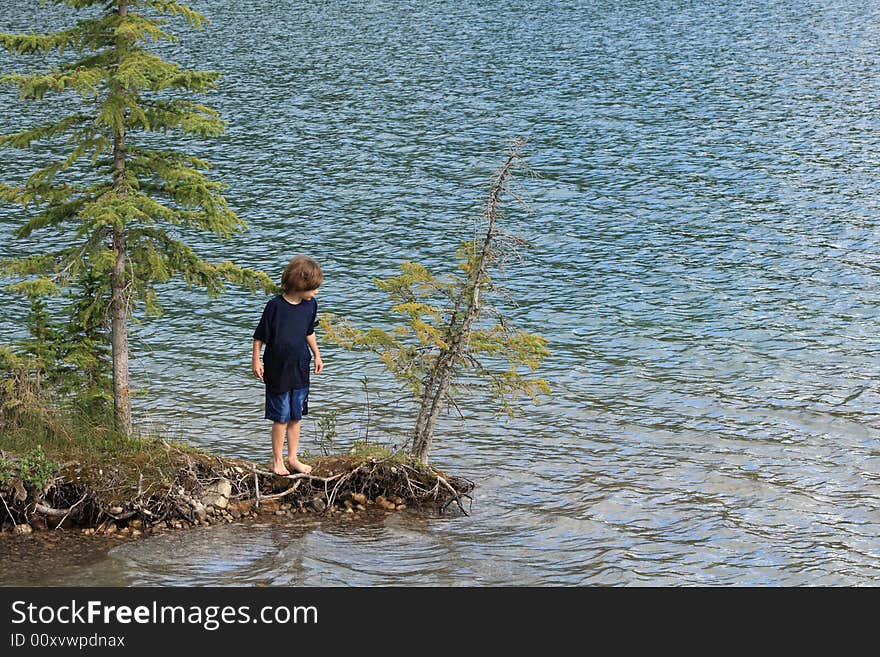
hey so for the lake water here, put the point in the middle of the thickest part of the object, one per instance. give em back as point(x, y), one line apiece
point(703, 259)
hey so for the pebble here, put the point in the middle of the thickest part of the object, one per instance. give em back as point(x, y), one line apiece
point(384, 503)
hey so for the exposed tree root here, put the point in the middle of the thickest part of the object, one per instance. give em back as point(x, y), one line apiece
point(208, 490)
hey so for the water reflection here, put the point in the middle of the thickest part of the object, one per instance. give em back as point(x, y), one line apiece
point(702, 258)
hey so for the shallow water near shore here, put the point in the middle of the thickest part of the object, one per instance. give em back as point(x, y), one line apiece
point(702, 258)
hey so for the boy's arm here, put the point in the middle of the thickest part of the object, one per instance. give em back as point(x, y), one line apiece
point(256, 363)
point(312, 341)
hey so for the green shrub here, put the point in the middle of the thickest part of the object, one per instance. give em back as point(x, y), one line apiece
point(37, 468)
point(5, 470)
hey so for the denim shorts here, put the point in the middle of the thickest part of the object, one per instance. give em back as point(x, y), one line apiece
point(287, 406)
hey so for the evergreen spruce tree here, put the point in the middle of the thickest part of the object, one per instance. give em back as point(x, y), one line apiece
point(121, 223)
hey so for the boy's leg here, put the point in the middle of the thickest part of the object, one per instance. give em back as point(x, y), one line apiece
point(278, 431)
point(293, 430)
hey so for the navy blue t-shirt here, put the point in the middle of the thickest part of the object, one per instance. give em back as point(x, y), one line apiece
point(283, 329)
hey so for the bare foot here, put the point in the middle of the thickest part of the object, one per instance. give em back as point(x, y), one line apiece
point(279, 469)
point(298, 466)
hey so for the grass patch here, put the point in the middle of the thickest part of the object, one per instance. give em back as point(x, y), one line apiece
point(92, 452)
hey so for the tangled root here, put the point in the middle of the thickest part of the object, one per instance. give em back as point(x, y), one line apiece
point(207, 489)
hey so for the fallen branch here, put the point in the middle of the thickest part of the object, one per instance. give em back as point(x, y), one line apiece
point(80, 501)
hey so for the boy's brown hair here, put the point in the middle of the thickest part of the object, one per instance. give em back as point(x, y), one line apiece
point(301, 274)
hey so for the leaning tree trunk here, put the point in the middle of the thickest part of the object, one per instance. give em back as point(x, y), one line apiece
point(466, 311)
point(119, 278)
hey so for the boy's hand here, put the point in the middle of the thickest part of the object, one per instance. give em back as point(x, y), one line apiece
point(319, 365)
point(257, 367)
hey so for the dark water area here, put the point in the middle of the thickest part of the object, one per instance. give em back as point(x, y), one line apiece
point(702, 258)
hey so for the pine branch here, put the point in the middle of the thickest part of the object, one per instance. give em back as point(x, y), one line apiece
point(24, 138)
point(194, 18)
point(28, 44)
point(86, 82)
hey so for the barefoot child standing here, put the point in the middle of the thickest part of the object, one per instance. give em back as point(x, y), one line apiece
point(287, 329)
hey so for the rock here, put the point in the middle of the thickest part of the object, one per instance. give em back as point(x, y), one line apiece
point(200, 512)
point(361, 507)
point(348, 509)
point(242, 508)
point(116, 509)
point(217, 494)
point(359, 498)
point(401, 507)
point(270, 506)
point(285, 506)
point(348, 505)
point(279, 512)
point(136, 532)
point(23, 529)
point(318, 504)
point(19, 492)
point(136, 524)
point(384, 503)
point(398, 500)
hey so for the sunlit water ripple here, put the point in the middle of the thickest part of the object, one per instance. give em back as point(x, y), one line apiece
point(703, 260)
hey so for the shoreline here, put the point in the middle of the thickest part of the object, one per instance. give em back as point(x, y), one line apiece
point(101, 498)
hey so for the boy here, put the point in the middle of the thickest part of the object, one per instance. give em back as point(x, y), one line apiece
point(287, 328)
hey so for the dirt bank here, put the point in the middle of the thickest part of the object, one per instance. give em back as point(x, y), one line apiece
point(192, 488)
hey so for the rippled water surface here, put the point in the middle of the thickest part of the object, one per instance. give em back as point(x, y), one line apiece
point(703, 258)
